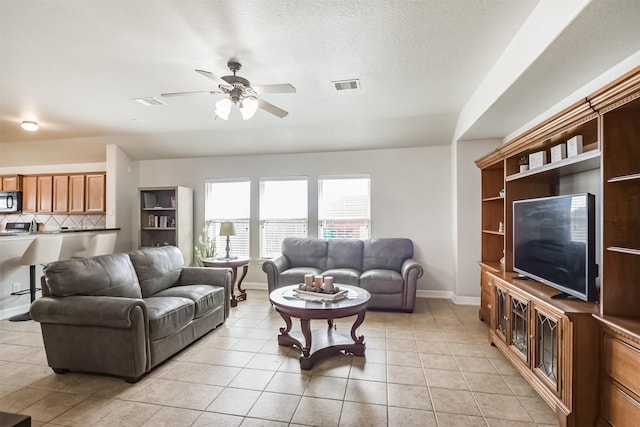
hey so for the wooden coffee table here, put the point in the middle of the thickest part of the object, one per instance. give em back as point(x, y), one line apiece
point(321, 343)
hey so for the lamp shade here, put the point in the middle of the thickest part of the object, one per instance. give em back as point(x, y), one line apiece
point(248, 107)
point(223, 108)
point(227, 229)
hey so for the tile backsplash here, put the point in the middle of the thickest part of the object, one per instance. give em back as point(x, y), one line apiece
point(54, 222)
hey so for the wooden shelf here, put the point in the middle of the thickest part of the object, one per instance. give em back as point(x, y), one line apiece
point(582, 162)
point(624, 250)
point(627, 325)
point(494, 266)
point(625, 178)
point(166, 218)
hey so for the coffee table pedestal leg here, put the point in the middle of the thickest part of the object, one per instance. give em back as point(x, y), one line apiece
point(320, 344)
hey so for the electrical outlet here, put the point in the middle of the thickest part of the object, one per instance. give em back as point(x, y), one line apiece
point(16, 286)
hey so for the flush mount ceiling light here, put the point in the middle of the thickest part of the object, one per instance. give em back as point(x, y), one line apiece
point(30, 126)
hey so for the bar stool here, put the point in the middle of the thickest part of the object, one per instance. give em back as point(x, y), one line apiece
point(100, 244)
point(42, 250)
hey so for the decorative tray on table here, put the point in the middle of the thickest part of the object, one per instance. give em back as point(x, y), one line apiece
point(321, 296)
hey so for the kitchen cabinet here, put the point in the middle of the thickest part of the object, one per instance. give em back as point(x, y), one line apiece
point(76, 193)
point(29, 193)
point(95, 193)
point(11, 183)
point(60, 193)
point(44, 194)
point(81, 193)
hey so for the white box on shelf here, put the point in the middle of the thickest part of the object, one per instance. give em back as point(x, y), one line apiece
point(558, 152)
point(537, 159)
point(574, 146)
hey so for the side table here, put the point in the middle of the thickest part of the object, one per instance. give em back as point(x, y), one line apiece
point(233, 264)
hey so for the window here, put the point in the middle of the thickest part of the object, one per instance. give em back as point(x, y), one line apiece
point(228, 201)
point(283, 213)
point(344, 207)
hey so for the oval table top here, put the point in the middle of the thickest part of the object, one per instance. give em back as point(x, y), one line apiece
point(285, 300)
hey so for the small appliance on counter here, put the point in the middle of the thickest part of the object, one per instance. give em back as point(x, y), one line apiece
point(10, 201)
point(17, 227)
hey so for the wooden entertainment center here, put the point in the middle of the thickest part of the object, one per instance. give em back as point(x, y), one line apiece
point(582, 358)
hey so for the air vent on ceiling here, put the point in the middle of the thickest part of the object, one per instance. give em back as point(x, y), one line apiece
point(149, 102)
point(346, 84)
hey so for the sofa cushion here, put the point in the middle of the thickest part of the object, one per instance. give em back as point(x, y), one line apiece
point(347, 276)
point(379, 281)
point(295, 275)
point(157, 268)
point(305, 252)
point(206, 298)
point(345, 253)
point(167, 315)
point(106, 275)
point(386, 254)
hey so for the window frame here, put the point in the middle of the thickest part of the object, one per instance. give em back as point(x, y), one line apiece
point(322, 219)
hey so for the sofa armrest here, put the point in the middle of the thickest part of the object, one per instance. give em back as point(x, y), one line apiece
point(210, 276)
point(101, 311)
point(411, 270)
point(273, 267)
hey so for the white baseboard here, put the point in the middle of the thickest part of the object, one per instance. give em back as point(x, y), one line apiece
point(434, 294)
point(13, 311)
point(459, 300)
point(254, 286)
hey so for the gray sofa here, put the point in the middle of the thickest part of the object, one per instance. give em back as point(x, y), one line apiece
point(384, 267)
point(122, 314)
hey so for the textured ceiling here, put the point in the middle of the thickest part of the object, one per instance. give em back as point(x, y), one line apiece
point(75, 66)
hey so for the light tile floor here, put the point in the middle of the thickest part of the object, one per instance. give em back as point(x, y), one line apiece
point(433, 367)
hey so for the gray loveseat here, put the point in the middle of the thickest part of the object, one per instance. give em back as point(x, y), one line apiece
point(122, 314)
point(384, 267)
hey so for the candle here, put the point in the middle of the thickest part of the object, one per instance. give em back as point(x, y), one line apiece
point(328, 284)
point(318, 282)
point(308, 279)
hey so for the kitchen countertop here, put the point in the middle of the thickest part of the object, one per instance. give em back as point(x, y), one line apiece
point(70, 230)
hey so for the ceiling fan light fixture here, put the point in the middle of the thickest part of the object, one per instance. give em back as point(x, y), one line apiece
point(248, 107)
point(30, 126)
point(223, 108)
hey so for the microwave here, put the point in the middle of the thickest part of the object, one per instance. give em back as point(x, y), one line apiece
point(11, 201)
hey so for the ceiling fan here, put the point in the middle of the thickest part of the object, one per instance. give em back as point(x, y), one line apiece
point(240, 93)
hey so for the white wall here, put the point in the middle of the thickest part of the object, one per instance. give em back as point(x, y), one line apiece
point(467, 212)
point(411, 195)
point(122, 193)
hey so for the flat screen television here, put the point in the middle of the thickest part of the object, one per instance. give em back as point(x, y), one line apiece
point(554, 243)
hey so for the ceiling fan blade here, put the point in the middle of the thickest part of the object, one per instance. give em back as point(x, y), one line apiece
point(212, 92)
point(217, 80)
point(270, 108)
point(281, 88)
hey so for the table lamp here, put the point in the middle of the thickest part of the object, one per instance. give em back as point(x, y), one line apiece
point(227, 229)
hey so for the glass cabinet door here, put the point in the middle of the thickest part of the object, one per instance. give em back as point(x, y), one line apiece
point(501, 312)
point(519, 326)
point(546, 351)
